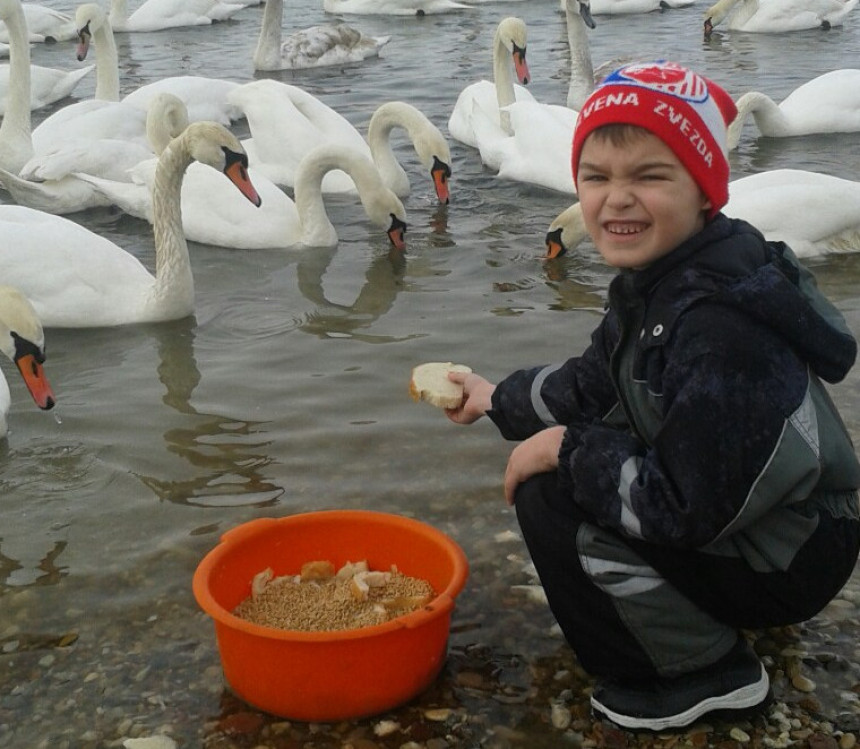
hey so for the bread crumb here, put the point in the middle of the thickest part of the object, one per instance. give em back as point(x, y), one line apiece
point(320, 599)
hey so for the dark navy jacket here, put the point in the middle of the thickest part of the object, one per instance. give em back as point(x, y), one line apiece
point(697, 417)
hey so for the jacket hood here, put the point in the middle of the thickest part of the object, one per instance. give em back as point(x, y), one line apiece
point(731, 263)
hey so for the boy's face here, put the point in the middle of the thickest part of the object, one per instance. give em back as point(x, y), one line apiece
point(638, 201)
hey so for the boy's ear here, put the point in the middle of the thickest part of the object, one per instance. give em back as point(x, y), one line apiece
point(706, 202)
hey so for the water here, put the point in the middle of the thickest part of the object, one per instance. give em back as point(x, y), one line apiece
point(287, 390)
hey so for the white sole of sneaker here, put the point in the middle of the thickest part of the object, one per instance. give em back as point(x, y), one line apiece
point(740, 699)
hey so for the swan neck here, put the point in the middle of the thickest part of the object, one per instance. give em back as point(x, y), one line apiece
point(172, 263)
point(769, 118)
point(118, 15)
point(107, 64)
point(502, 73)
point(317, 229)
point(581, 68)
point(384, 120)
point(268, 50)
point(17, 121)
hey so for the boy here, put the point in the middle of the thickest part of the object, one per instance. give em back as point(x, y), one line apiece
point(687, 476)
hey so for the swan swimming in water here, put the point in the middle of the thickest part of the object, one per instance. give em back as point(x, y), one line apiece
point(155, 15)
point(509, 50)
point(22, 340)
point(777, 16)
point(536, 150)
point(315, 47)
point(286, 122)
point(43, 24)
point(76, 278)
point(829, 103)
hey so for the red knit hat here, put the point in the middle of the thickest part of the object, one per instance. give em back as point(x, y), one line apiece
point(688, 112)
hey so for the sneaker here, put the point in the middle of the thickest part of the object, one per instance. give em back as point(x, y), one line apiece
point(737, 681)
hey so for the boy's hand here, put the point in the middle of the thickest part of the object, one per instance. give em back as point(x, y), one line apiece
point(477, 395)
point(537, 454)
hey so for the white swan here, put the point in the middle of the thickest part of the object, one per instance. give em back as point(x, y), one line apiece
point(392, 7)
point(815, 214)
point(509, 45)
point(23, 342)
point(212, 215)
point(829, 103)
point(44, 25)
point(626, 7)
point(537, 147)
point(154, 15)
point(58, 183)
point(314, 47)
point(286, 122)
point(76, 278)
point(776, 16)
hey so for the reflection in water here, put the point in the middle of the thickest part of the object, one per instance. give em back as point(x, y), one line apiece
point(232, 464)
point(10, 569)
point(233, 467)
point(383, 281)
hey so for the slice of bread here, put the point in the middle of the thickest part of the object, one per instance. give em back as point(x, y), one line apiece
point(430, 383)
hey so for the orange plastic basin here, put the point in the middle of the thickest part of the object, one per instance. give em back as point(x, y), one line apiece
point(336, 675)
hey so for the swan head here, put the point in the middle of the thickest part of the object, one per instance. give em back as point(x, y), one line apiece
point(512, 34)
point(166, 117)
point(89, 18)
point(23, 341)
point(441, 173)
point(433, 151)
point(583, 7)
point(385, 210)
point(565, 232)
point(213, 144)
point(716, 14)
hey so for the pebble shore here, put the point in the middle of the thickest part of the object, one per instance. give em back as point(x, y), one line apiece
point(153, 681)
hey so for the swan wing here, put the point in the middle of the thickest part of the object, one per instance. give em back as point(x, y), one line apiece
point(90, 120)
point(538, 151)
point(205, 98)
point(482, 94)
point(69, 194)
point(808, 210)
point(155, 15)
point(106, 157)
point(47, 85)
point(44, 24)
point(286, 123)
point(90, 279)
point(829, 103)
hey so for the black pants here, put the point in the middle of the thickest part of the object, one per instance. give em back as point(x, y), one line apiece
point(632, 610)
